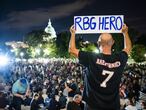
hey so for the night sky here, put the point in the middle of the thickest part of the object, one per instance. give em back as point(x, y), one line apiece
point(18, 17)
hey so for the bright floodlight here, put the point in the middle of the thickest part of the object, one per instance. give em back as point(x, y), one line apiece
point(145, 55)
point(3, 60)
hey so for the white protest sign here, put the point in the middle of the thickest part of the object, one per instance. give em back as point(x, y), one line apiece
point(98, 24)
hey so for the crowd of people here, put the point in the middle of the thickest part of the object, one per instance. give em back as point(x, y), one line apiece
point(46, 80)
point(58, 84)
point(133, 86)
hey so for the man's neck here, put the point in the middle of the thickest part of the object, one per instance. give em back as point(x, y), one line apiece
point(106, 50)
point(107, 53)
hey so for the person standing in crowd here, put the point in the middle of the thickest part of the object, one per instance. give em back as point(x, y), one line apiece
point(101, 82)
point(20, 91)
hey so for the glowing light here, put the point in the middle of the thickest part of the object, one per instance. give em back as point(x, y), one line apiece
point(145, 55)
point(21, 54)
point(17, 60)
point(3, 60)
point(47, 51)
point(38, 50)
point(40, 45)
point(96, 51)
point(12, 50)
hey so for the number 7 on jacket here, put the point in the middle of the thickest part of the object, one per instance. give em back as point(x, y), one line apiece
point(110, 74)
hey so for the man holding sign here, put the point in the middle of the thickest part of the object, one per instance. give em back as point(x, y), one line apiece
point(101, 83)
point(98, 24)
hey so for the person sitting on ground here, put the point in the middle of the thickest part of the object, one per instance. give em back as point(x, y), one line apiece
point(76, 104)
point(20, 92)
point(34, 105)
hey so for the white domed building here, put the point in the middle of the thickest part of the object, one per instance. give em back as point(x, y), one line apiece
point(50, 31)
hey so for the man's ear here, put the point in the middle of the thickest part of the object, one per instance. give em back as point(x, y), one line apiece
point(98, 44)
point(111, 42)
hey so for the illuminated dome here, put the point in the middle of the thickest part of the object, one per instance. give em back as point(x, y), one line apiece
point(50, 30)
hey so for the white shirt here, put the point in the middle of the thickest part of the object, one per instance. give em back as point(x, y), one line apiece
point(130, 107)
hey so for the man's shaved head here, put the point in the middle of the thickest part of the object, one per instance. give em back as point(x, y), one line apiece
point(105, 39)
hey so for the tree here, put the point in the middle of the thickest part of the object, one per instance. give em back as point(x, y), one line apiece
point(50, 49)
point(62, 44)
point(119, 39)
point(39, 40)
point(138, 52)
point(34, 38)
point(119, 42)
point(89, 47)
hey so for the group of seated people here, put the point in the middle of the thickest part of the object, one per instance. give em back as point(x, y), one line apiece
point(133, 85)
point(58, 85)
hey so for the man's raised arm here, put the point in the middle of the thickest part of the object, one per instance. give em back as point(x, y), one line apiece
point(127, 41)
point(72, 45)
